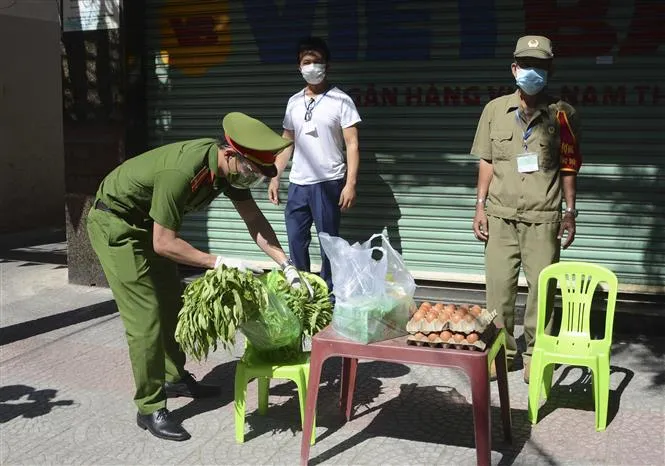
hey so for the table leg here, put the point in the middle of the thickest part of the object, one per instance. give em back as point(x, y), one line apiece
point(315, 365)
point(502, 382)
point(347, 386)
point(480, 399)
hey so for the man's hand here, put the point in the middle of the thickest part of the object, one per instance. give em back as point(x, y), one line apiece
point(348, 197)
point(295, 281)
point(273, 191)
point(567, 225)
point(236, 264)
point(480, 229)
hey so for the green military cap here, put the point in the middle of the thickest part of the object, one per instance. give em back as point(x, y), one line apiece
point(534, 46)
point(255, 140)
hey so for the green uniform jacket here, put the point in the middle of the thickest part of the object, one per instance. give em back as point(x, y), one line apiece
point(165, 183)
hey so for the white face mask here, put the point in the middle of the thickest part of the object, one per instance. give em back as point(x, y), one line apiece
point(531, 80)
point(314, 73)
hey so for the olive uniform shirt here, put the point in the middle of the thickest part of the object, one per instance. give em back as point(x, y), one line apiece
point(165, 183)
point(528, 197)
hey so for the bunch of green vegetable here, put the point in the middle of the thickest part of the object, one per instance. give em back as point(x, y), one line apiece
point(214, 307)
point(225, 300)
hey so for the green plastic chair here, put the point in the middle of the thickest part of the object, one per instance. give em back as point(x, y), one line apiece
point(251, 366)
point(573, 345)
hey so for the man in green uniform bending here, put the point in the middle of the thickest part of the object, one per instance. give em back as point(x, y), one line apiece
point(133, 227)
point(529, 156)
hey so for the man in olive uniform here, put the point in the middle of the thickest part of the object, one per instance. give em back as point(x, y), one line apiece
point(133, 227)
point(528, 145)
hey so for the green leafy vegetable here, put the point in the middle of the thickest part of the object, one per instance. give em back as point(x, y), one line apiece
point(225, 300)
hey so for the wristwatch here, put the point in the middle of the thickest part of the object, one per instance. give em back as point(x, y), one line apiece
point(286, 263)
point(573, 212)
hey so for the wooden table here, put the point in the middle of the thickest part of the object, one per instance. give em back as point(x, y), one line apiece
point(475, 364)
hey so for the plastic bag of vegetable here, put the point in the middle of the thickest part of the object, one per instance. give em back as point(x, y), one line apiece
point(372, 286)
point(314, 312)
point(275, 326)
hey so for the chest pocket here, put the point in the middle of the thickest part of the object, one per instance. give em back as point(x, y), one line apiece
point(549, 143)
point(502, 144)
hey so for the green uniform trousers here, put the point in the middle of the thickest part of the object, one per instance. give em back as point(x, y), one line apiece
point(511, 243)
point(147, 291)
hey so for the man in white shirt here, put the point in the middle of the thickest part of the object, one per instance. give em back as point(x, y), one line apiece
point(322, 120)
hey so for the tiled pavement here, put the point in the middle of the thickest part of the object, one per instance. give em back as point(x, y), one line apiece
point(66, 387)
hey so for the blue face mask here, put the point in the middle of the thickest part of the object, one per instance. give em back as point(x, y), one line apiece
point(531, 80)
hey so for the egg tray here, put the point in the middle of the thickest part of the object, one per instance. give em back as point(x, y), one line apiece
point(485, 338)
point(438, 343)
point(479, 324)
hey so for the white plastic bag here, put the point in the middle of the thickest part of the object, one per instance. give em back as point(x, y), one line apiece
point(354, 270)
point(373, 288)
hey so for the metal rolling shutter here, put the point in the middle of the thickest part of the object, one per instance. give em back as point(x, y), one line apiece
point(420, 73)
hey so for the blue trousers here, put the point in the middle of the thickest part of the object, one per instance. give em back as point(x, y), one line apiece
point(306, 204)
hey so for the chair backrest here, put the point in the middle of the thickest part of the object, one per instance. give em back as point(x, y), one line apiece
point(578, 282)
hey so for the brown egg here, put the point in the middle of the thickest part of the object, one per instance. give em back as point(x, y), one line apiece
point(446, 335)
point(431, 316)
point(462, 311)
point(469, 318)
point(426, 304)
point(465, 307)
point(433, 336)
point(438, 307)
point(472, 338)
point(418, 316)
point(443, 317)
point(476, 310)
point(458, 337)
point(455, 318)
point(450, 308)
point(420, 336)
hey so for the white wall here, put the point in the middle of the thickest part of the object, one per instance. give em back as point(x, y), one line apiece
point(31, 142)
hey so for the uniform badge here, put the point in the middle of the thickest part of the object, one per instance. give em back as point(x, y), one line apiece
point(533, 43)
point(551, 130)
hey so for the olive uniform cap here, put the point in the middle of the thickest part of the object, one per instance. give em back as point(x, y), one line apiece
point(255, 140)
point(534, 47)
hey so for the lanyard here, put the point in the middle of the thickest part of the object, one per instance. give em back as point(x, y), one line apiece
point(309, 107)
point(525, 133)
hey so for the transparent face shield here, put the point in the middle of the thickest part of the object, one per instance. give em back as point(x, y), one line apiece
point(243, 174)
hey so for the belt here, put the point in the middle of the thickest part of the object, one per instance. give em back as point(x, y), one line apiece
point(99, 205)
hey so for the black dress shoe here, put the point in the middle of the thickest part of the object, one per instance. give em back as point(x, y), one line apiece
point(189, 387)
point(159, 425)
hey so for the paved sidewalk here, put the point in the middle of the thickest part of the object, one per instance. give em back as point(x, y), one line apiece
point(66, 388)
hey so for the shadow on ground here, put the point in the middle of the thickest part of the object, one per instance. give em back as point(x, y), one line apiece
point(578, 393)
point(35, 256)
point(25, 401)
point(285, 416)
point(221, 376)
point(436, 415)
point(31, 328)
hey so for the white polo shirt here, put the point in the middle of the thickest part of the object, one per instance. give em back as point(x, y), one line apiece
point(319, 144)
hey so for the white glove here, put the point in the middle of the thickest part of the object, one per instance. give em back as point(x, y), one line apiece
point(236, 264)
point(295, 281)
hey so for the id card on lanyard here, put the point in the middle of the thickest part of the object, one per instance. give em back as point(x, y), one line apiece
point(527, 162)
point(309, 127)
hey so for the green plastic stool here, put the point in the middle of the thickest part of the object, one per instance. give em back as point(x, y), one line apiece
point(573, 345)
point(252, 367)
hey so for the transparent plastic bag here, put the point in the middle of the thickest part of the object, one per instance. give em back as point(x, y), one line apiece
point(355, 271)
point(373, 288)
point(376, 319)
point(276, 327)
